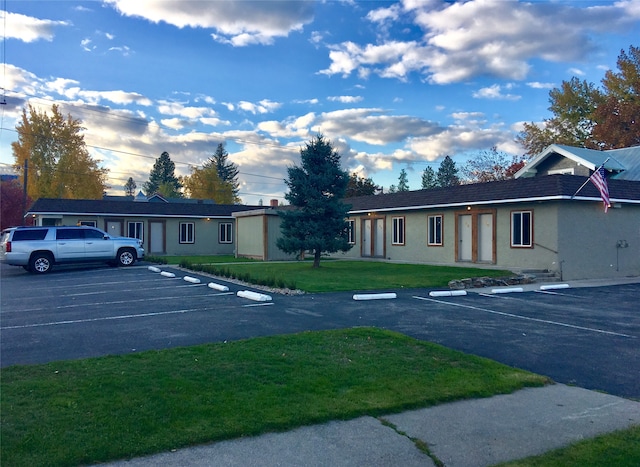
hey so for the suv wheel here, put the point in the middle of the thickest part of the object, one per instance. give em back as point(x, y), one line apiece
point(40, 263)
point(126, 257)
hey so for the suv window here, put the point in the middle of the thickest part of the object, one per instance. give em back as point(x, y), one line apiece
point(91, 233)
point(69, 234)
point(29, 234)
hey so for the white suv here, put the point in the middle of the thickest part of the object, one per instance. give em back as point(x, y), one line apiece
point(37, 249)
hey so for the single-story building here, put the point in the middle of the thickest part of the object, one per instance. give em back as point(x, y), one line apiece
point(549, 217)
point(545, 219)
point(165, 226)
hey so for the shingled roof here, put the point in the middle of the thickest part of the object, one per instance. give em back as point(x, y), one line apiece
point(551, 187)
point(101, 207)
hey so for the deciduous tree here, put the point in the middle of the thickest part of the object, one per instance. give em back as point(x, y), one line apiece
point(59, 165)
point(491, 165)
point(162, 178)
point(590, 117)
point(360, 186)
point(11, 202)
point(204, 183)
point(317, 221)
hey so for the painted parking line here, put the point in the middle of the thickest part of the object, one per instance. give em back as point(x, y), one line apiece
point(258, 304)
point(106, 318)
point(526, 318)
point(119, 302)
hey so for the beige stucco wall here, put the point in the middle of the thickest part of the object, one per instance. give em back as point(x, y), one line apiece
point(206, 232)
point(250, 238)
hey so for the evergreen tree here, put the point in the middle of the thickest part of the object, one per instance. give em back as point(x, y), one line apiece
point(448, 173)
point(130, 187)
point(403, 181)
point(59, 164)
point(162, 178)
point(429, 179)
point(227, 171)
point(393, 189)
point(316, 188)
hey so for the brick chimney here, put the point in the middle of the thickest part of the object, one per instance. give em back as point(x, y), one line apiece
point(273, 203)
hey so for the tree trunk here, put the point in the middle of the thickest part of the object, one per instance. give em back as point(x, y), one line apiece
point(316, 259)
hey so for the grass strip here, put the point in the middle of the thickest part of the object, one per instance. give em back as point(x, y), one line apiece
point(620, 448)
point(101, 409)
point(342, 276)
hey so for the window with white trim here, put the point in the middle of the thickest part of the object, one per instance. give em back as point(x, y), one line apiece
point(135, 230)
point(225, 234)
point(522, 229)
point(88, 223)
point(351, 231)
point(187, 232)
point(434, 237)
point(398, 231)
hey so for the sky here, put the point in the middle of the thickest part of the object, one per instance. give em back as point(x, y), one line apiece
point(392, 84)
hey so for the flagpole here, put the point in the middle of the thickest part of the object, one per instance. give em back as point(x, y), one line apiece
point(588, 178)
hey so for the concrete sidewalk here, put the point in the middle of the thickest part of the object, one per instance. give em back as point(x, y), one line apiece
point(478, 432)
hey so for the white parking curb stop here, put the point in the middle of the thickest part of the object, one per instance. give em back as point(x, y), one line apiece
point(258, 297)
point(554, 286)
point(375, 296)
point(153, 269)
point(193, 280)
point(508, 290)
point(167, 274)
point(222, 288)
point(447, 293)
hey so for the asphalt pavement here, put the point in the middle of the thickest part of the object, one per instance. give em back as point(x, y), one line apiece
point(588, 339)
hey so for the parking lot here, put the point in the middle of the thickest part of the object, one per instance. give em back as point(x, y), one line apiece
point(589, 337)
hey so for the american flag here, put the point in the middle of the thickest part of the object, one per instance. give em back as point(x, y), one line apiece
point(599, 179)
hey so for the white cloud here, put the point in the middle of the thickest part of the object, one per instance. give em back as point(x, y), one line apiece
point(345, 99)
point(28, 28)
point(539, 85)
point(372, 126)
point(494, 92)
point(463, 40)
point(262, 107)
point(236, 23)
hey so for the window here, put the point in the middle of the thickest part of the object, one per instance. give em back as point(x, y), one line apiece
point(88, 223)
point(135, 230)
point(187, 231)
point(93, 234)
point(398, 231)
point(225, 235)
point(435, 231)
point(351, 232)
point(69, 234)
point(521, 229)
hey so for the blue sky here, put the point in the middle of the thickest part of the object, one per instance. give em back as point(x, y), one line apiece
point(392, 84)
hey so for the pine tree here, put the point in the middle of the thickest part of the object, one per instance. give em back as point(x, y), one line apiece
point(403, 181)
point(130, 187)
point(429, 179)
point(448, 173)
point(316, 188)
point(227, 171)
point(162, 178)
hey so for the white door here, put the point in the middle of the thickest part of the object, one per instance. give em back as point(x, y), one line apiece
point(485, 238)
point(114, 228)
point(156, 237)
point(464, 237)
point(366, 237)
point(379, 238)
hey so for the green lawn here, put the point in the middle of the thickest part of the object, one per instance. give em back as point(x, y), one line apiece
point(100, 409)
point(619, 449)
point(337, 276)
